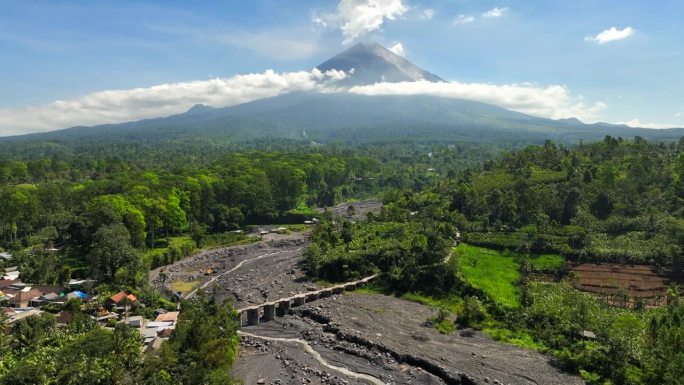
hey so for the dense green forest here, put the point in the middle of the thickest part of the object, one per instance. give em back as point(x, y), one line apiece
point(614, 200)
point(88, 210)
point(104, 201)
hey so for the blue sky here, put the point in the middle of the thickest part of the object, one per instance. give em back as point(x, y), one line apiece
point(68, 50)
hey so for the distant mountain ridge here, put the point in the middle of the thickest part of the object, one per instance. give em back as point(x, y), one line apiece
point(351, 118)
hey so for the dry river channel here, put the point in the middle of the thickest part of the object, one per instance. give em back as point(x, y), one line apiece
point(353, 338)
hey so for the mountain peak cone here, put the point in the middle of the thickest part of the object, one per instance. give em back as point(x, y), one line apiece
point(370, 63)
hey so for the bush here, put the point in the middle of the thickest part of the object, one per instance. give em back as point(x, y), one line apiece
point(473, 312)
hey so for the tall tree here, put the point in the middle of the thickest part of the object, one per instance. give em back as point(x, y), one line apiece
point(112, 251)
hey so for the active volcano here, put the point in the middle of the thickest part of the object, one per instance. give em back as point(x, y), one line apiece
point(344, 116)
point(369, 63)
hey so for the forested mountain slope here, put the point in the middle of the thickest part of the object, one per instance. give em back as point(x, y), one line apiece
point(343, 117)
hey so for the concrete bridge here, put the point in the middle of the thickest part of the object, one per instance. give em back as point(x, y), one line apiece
point(267, 311)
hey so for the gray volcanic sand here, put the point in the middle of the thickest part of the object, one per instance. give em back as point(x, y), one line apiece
point(370, 333)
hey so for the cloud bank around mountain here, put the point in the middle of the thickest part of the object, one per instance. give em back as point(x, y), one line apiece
point(554, 101)
point(117, 106)
point(636, 122)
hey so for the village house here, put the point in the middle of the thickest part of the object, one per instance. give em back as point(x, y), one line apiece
point(18, 314)
point(135, 321)
point(160, 329)
point(171, 316)
point(23, 298)
point(76, 294)
point(102, 315)
point(121, 301)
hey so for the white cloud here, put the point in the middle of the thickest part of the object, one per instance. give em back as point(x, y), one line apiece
point(398, 49)
point(555, 102)
point(464, 19)
point(358, 17)
point(611, 34)
point(679, 114)
point(496, 12)
point(427, 14)
point(117, 106)
point(638, 123)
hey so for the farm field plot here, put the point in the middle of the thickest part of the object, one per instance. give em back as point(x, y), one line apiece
point(636, 281)
point(491, 271)
point(497, 273)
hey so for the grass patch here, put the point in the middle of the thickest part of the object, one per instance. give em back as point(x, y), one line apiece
point(547, 262)
point(495, 273)
point(372, 289)
point(184, 286)
point(227, 239)
point(303, 209)
point(518, 338)
point(297, 228)
point(453, 304)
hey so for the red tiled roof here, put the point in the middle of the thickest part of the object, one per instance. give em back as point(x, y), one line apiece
point(118, 297)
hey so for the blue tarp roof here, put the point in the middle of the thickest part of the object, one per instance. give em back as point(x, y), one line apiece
point(80, 294)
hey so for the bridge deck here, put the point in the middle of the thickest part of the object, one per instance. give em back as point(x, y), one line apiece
point(304, 295)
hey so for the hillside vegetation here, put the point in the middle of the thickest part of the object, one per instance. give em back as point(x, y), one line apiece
point(527, 212)
point(609, 201)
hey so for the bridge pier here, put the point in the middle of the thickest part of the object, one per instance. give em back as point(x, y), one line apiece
point(269, 312)
point(252, 317)
point(283, 308)
point(298, 301)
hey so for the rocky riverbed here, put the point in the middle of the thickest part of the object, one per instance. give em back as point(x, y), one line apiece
point(247, 275)
point(386, 338)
